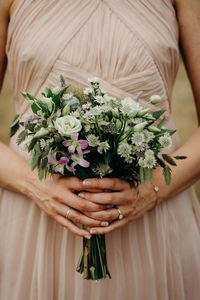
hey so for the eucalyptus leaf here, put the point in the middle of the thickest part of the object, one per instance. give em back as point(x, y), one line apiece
point(142, 175)
point(36, 156)
point(148, 174)
point(180, 157)
point(168, 159)
point(167, 175)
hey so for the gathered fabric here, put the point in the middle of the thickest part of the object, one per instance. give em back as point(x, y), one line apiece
point(132, 46)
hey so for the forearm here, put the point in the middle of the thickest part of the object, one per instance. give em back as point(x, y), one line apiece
point(15, 174)
point(185, 173)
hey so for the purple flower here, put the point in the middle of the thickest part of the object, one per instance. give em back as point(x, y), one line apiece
point(58, 166)
point(74, 144)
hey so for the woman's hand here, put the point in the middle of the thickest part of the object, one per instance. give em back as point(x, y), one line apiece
point(122, 197)
point(56, 196)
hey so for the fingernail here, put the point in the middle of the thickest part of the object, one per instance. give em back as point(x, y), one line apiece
point(87, 237)
point(93, 231)
point(104, 223)
point(86, 182)
point(81, 195)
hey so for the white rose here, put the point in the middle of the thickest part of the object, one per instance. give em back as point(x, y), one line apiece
point(67, 125)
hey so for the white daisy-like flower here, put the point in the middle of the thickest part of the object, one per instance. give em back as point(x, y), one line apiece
point(141, 162)
point(42, 144)
point(149, 136)
point(75, 114)
point(68, 96)
point(149, 152)
point(93, 140)
point(86, 105)
point(124, 149)
point(165, 140)
point(138, 138)
point(103, 147)
point(102, 170)
point(93, 79)
point(149, 162)
point(129, 159)
point(99, 99)
point(87, 127)
point(94, 111)
point(88, 91)
point(139, 148)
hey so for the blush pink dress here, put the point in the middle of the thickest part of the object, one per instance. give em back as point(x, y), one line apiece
point(131, 45)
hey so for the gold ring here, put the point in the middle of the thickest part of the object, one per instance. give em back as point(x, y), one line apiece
point(67, 214)
point(120, 214)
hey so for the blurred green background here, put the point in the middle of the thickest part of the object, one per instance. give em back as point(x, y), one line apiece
point(183, 110)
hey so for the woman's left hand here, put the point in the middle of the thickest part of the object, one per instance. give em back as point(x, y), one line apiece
point(123, 200)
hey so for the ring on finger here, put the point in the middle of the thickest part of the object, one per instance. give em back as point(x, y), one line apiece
point(120, 217)
point(68, 213)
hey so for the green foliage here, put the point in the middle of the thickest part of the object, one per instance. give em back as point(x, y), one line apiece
point(157, 114)
point(22, 136)
point(148, 174)
point(167, 175)
point(15, 125)
point(142, 176)
point(168, 159)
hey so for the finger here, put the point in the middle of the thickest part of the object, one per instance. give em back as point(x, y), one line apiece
point(76, 202)
point(113, 226)
point(114, 184)
point(76, 216)
point(114, 198)
point(111, 214)
point(72, 227)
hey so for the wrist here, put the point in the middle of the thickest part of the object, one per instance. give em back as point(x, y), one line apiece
point(161, 190)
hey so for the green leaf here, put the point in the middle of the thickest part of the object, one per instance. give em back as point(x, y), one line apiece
point(168, 159)
point(162, 122)
point(160, 162)
point(180, 157)
point(21, 137)
point(107, 158)
point(148, 174)
point(157, 114)
point(36, 156)
point(35, 107)
point(40, 173)
point(56, 99)
point(142, 175)
point(31, 126)
point(44, 107)
point(14, 129)
point(16, 120)
point(48, 92)
point(32, 144)
point(167, 175)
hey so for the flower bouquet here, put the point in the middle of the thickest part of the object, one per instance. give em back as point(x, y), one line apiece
point(91, 134)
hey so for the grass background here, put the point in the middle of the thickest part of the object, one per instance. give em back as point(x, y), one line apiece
point(183, 110)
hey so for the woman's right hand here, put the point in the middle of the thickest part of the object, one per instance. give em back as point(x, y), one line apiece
point(56, 196)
